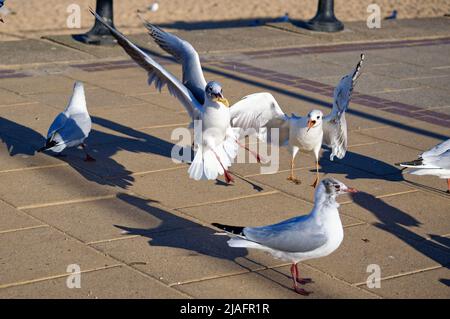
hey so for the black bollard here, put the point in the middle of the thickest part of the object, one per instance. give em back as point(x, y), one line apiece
point(99, 34)
point(325, 20)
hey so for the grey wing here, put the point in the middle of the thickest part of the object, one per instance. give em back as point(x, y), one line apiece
point(437, 150)
point(259, 113)
point(441, 161)
point(156, 72)
point(57, 124)
point(300, 234)
point(334, 124)
point(76, 129)
point(185, 54)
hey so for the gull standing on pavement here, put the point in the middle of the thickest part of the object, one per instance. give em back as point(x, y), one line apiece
point(218, 144)
point(71, 127)
point(261, 112)
point(315, 235)
point(435, 161)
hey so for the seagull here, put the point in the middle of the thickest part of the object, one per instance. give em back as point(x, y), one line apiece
point(205, 103)
point(435, 161)
point(315, 235)
point(2, 2)
point(260, 112)
point(71, 127)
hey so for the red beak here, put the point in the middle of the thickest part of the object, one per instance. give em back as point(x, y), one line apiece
point(310, 124)
point(351, 190)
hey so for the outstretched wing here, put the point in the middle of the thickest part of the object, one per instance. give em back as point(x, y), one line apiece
point(259, 113)
point(156, 73)
point(334, 124)
point(185, 54)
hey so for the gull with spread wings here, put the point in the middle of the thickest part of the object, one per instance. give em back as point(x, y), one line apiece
point(217, 145)
point(262, 113)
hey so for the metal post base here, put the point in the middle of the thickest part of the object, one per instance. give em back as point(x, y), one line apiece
point(325, 20)
point(99, 34)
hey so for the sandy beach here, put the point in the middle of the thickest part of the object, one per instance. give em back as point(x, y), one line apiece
point(33, 18)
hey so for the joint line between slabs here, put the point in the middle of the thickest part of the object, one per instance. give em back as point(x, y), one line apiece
point(228, 199)
point(413, 272)
point(26, 282)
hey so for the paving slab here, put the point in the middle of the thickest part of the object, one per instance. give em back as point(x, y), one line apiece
point(101, 284)
point(13, 219)
point(423, 97)
point(13, 98)
point(174, 188)
point(98, 220)
point(255, 211)
point(378, 159)
point(176, 257)
point(412, 139)
point(95, 98)
point(50, 185)
point(363, 181)
point(43, 252)
point(272, 284)
point(39, 84)
point(37, 51)
point(423, 285)
point(418, 214)
point(365, 245)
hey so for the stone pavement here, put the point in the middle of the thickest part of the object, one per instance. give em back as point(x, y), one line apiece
point(140, 228)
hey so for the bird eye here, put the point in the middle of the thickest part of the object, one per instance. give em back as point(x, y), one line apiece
point(318, 117)
point(338, 187)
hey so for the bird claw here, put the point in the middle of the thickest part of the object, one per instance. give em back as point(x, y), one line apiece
point(89, 159)
point(304, 281)
point(302, 291)
point(294, 180)
point(314, 185)
point(228, 178)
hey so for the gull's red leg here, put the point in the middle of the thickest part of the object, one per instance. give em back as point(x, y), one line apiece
point(448, 185)
point(297, 289)
point(228, 178)
point(256, 155)
point(302, 281)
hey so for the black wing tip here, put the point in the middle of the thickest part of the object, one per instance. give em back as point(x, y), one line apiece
point(416, 162)
point(236, 230)
point(48, 144)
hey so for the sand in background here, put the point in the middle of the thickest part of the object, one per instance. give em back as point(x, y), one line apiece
point(33, 18)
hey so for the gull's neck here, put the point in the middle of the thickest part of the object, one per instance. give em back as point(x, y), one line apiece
point(324, 201)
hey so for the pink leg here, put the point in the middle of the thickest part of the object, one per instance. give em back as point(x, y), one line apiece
point(302, 281)
point(256, 155)
point(297, 289)
point(228, 178)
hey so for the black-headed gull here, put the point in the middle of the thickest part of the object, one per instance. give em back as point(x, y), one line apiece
point(71, 127)
point(217, 146)
point(305, 237)
point(435, 161)
point(261, 112)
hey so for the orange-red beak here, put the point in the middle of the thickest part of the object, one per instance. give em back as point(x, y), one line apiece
point(351, 190)
point(310, 124)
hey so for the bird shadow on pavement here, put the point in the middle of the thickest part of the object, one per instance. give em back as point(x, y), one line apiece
point(356, 166)
point(175, 231)
point(21, 140)
point(398, 222)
